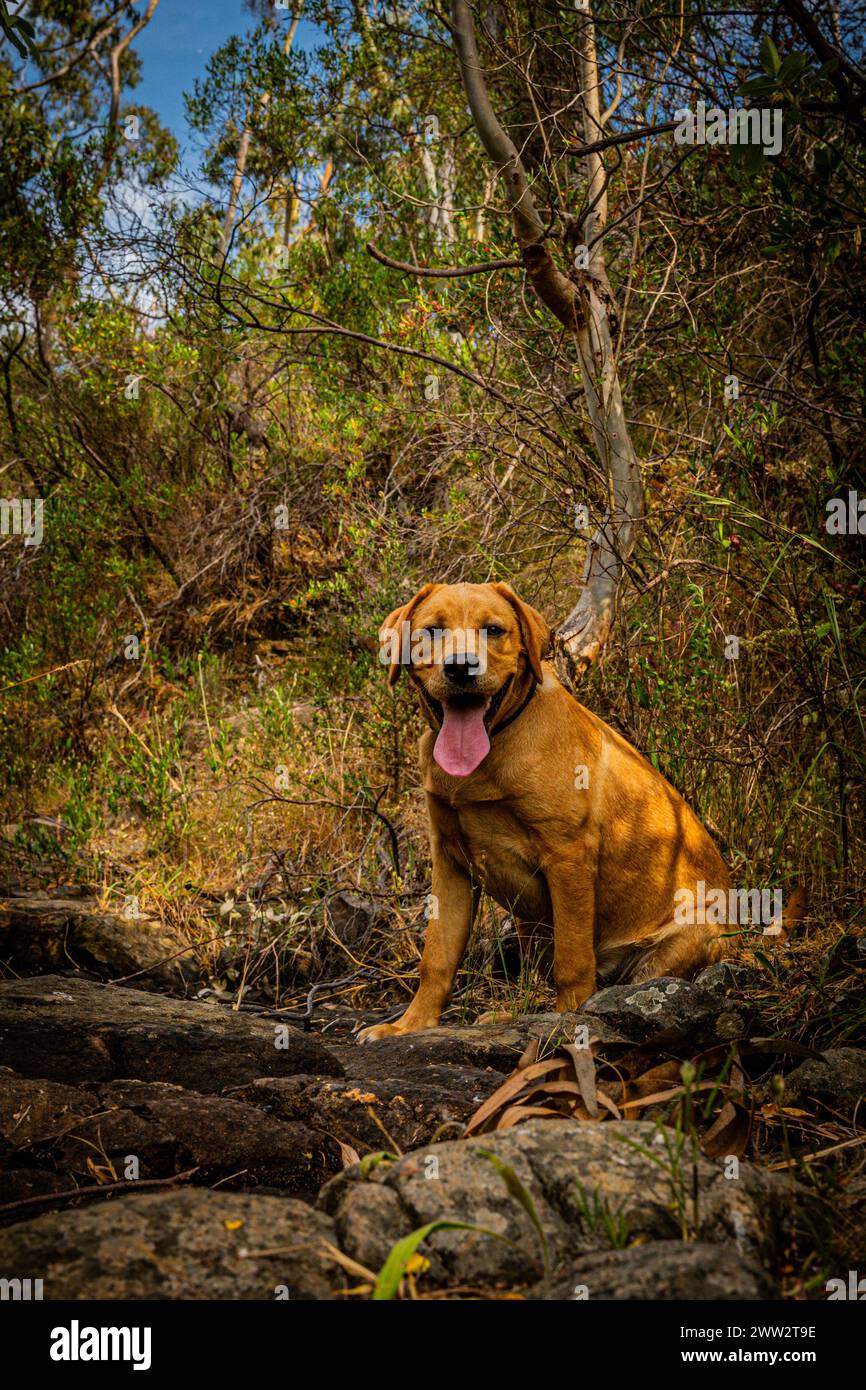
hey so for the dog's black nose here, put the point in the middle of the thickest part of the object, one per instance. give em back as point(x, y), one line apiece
point(461, 670)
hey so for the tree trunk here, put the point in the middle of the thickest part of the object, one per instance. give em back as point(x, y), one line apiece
point(244, 149)
point(581, 302)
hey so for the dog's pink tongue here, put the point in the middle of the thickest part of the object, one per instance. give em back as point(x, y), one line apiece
point(462, 742)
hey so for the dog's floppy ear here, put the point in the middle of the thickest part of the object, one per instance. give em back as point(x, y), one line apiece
point(534, 629)
point(391, 632)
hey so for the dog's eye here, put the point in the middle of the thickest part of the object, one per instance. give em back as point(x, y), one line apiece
point(493, 631)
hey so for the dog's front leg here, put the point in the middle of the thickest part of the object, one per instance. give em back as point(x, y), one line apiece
point(452, 903)
point(572, 893)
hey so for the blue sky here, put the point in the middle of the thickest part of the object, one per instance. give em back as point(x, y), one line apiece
point(175, 47)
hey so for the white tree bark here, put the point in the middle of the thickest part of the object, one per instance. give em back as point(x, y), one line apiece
point(243, 149)
point(440, 192)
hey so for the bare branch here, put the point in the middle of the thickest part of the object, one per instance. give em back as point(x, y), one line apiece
point(555, 290)
point(441, 272)
point(623, 137)
point(117, 53)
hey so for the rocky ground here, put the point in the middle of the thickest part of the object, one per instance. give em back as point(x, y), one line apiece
point(157, 1146)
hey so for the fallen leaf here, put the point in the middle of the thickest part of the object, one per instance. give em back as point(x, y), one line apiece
point(728, 1136)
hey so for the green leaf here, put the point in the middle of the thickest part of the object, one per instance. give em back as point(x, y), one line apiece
point(371, 1161)
point(392, 1271)
point(770, 60)
point(758, 87)
point(18, 30)
point(764, 960)
point(793, 67)
point(826, 160)
point(749, 159)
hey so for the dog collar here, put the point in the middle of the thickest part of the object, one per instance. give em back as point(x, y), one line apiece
point(517, 713)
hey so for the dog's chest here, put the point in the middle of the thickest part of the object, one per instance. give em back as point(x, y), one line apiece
point(503, 856)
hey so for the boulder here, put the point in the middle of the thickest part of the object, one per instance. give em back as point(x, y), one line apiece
point(836, 1080)
point(21, 1184)
point(36, 1111)
point(43, 935)
point(495, 1045)
point(170, 1130)
point(669, 1013)
point(142, 1130)
point(664, 1270)
point(74, 1030)
point(424, 1102)
point(35, 1119)
point(591, 1186)
point(187, 1243)
point(726, 975)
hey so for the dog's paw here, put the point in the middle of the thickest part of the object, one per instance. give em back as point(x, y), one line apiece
point(377, 1031)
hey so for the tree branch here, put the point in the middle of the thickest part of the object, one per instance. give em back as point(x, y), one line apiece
point(441, 272)
point(117, 53)
point(554, 289)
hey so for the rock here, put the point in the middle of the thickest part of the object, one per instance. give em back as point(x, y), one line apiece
point(836, 1080)
point(350, 917)
point(551, 1029)
point(416, 1084)
point(32, 1112)
point(374, 1223)
point(481, 1045)
point(85, 1137)
point(669, 1012)
point(73, 1030)
point(726, 975)
point(43, 935)
point(496, 1045)
point(35, 1118)
point(19, 1184)
point(662, 1270)
point(589, 1183)
point(411, 1108)
point(179, 1244)
point(170, 1130)
point(348, 920)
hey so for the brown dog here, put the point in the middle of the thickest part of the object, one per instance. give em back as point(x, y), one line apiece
point(538, 802)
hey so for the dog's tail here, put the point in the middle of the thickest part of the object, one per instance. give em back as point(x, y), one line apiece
point(756, 939)
point(792, 913)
